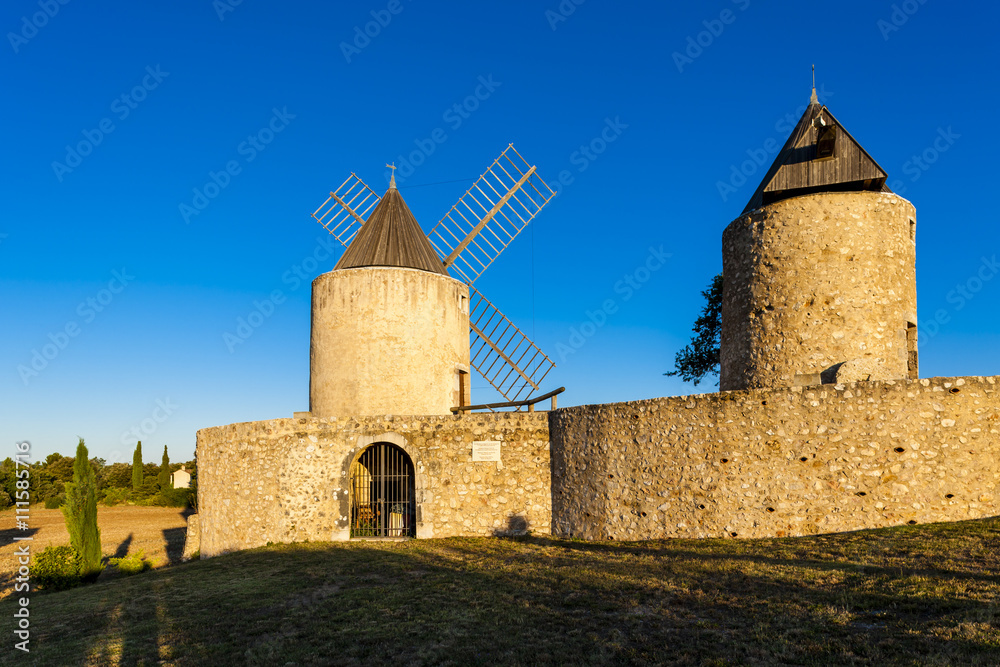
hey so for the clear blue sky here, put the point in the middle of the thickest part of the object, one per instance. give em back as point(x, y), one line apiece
point(150, 353)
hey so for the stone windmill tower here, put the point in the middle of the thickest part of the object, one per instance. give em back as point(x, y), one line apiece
point(392, 332)
point(819, 269)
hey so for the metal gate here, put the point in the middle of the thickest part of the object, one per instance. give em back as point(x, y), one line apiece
point(382, 493)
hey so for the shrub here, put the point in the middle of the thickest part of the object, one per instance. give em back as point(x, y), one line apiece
point(150, 487)
point(171, 498)
point(57, 568)
point(55, 502)
point(115, 496)
point(132, 563)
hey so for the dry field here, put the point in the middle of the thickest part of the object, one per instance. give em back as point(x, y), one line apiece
point(159, 531)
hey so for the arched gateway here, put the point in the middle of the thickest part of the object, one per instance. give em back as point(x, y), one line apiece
point(383, 493)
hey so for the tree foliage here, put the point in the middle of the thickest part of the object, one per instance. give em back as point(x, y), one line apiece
point(80, 511)
point(48, 479)
point(701, 356)
point(137, 467)
point(118, 475)
point(164, 477)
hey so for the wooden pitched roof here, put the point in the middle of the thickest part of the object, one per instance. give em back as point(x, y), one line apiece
point(798, 170)
point(391, 237)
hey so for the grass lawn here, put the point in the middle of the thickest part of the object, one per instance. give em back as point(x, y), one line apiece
point(921, 595)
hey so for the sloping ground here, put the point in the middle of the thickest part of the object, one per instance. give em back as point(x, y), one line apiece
point(902, 596)
point(158, 531)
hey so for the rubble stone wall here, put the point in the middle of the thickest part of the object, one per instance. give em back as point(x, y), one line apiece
point(784, 462)
point(287, 480)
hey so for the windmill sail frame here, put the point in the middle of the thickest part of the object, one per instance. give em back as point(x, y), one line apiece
point(502, 354)
point(469, 238)
point(487, 218)
point(342, 214)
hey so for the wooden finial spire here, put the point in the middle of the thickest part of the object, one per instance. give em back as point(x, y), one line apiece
point(814, 99)
point(392, 180)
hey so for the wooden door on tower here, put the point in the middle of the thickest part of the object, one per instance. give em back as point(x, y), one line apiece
point(382, 493)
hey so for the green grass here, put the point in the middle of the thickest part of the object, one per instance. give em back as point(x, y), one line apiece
point(923, 595)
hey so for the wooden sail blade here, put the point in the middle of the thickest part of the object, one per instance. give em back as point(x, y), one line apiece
point(490, 215)
point(345, 210)
point(501, 353)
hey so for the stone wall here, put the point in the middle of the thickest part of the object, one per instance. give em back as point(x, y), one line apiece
point(287, 480)
point(814, 281)
point(784, 462)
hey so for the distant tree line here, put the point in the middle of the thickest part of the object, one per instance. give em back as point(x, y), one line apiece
point(145, 484)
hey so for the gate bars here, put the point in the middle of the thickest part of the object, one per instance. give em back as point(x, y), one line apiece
point(382, 490)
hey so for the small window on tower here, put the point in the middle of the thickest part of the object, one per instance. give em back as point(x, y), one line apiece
point(913, 229)
point(826, 141)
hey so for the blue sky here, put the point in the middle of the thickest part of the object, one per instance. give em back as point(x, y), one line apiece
point(119, 116)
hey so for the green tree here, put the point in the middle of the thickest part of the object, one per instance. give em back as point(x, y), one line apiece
point(701, 356)
point(59, 466)
point(137, 467)
point(80, 511)
point(8, 479)
point(118, 475)
point(164, 477)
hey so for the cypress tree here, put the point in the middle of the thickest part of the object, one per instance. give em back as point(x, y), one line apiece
point(137, 467)
point(164, 477)
point(80, 512)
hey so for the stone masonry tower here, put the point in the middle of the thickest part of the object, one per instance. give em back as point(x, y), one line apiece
point(819, 278)
point(390, 327)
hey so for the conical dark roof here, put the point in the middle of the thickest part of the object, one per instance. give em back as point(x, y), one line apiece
point(801, 168)
point(391, 237)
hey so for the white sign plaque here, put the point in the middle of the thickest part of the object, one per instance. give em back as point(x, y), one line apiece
point(486, 450)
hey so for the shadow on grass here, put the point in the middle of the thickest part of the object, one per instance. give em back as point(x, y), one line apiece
point(515, 601)
point(122, 549)
point(7, 535)
point(174, 539)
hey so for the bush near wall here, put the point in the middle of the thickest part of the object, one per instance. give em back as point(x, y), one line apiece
point(57, 568)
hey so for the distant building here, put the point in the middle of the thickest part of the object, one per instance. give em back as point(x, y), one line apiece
point(181, 479)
